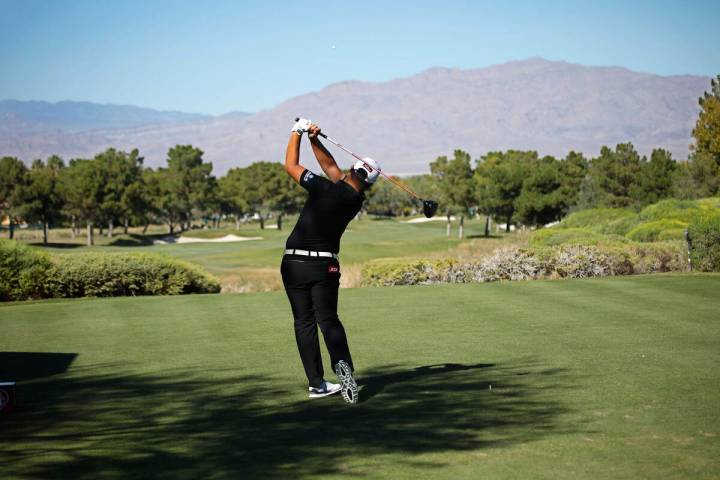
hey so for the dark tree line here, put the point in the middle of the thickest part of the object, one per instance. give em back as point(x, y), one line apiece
point(115, 189)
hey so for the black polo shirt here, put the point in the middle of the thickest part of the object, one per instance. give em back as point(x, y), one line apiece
point(327, 211)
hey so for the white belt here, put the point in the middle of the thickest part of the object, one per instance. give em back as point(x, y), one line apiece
point(310, 253)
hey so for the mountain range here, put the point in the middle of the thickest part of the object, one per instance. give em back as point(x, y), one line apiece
point(549, 106)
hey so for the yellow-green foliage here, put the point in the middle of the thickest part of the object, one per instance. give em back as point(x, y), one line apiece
point(705, 236)
point(22, 271)
point(125, 274)
point(30, 273)
point(671, 209)
point(671, 234)
point(572, 236)
point(665, 220)
point(651, 231)
point(599, 219)
point(405, 272)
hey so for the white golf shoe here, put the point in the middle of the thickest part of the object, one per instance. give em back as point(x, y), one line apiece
point(325, 389)
point(349, 386)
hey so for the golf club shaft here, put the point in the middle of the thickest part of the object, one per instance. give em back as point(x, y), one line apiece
point(392, 180)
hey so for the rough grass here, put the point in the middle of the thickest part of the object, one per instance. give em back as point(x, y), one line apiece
point(603, 379)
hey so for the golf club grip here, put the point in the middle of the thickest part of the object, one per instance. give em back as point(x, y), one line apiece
point(297, 119)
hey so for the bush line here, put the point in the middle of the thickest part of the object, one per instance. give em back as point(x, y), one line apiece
point(28, 273)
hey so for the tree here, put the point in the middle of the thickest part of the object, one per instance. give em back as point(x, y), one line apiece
point(265, 187)
point(616, 173)
point(82, 189)
point(189, 183)
point(41, 197)
point(655, 179)
point(13, 177)
point(164, 206)
point(700, 175)
point(282, 194)
point(455, 179)
point(232, 194)
point(499, 178)
point(387, 200)
point(707, 126)
point(697, 178)
point(573, 170)
point(122, 178)
point(541, 199)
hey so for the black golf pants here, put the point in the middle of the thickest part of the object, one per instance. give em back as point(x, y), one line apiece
point(312, 286)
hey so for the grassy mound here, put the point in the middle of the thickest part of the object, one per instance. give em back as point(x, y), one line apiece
point(663, 221)
point(602, 220)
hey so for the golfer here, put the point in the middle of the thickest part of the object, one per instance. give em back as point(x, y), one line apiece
point(310, 268)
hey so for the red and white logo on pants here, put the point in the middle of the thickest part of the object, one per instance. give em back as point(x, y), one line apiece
point(333, 269)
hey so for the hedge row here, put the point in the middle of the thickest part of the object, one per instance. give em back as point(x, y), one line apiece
point(30, 273)
point(567, 261)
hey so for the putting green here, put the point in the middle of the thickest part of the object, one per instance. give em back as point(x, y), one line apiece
point(604, 378)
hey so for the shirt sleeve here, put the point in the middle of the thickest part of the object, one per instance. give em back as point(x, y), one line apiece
point(313, 182)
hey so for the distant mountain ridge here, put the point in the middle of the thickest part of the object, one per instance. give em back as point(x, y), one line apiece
point(549, 106)
point(24, 117)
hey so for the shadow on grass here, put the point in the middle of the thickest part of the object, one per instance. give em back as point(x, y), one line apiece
point(137, 240)
point(21, 366)
point(482, 235)
point(215, 424)
point(57, 244)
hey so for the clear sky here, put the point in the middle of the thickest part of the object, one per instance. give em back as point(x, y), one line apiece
point(213, 56)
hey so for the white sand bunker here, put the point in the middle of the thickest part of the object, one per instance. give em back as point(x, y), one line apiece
point(433, 219)
point(226, 238)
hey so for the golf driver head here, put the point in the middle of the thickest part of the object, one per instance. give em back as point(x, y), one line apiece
point(429, 208)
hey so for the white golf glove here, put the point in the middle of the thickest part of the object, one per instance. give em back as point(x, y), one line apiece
point(301, 126)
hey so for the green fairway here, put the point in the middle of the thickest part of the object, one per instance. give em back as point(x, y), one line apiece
point(605, 378)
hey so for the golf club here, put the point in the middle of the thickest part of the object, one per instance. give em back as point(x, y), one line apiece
point(429, 206)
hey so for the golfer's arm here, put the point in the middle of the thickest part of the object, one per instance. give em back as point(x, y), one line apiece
point(292, 158)
point(326, 160)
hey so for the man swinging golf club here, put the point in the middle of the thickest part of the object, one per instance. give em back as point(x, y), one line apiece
point(310, 268)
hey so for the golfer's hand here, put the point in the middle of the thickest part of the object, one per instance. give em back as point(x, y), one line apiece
point(301, 126)
point(313, 131)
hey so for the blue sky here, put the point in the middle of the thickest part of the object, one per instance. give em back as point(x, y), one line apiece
point(217, 56)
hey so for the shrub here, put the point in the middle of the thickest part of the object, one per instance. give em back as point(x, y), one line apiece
point(22, 271)
point(385, 272)
point(582, 261)
point(598, 219)
point(709, 205)
point(507, 264)
point(671, 234)
point(651, 231)
point(577, 236)
point(657, 257)
point(566, 261)
point(122, 274)
point(29, 273)
point(705, 236)
point(671, 209)
point(621, 226)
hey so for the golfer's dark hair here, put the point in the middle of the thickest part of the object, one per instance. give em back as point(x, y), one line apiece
point(360, 176)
